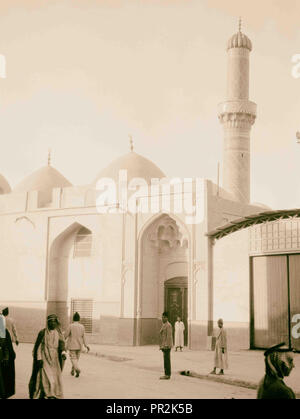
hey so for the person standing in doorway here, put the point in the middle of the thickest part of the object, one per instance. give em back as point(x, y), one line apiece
point(75, 337)
point(10, 326)
point(179, 334)
point(166, 343)
point(221, 358)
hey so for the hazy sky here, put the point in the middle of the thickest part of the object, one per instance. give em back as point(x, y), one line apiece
point(83, 74)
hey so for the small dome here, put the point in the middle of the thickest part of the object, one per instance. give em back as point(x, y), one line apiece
point(239, 40)
point(4, 186)
point(136, 166)
point(43, 179)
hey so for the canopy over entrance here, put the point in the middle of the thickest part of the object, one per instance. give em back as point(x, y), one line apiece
point(250, 220)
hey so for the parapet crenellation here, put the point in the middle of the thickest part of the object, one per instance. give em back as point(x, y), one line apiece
point(57, 198)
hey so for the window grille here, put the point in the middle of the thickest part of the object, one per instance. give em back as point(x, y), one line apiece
point(85, 309)
point(275, 236)
point(83, 243)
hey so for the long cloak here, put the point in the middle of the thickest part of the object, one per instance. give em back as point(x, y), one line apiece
point(274, 388)
point(35, 368)
point(179, 334)
point(221, 359)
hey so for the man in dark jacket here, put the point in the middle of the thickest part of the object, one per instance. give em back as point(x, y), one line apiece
point(165, 345)
point(279, 364)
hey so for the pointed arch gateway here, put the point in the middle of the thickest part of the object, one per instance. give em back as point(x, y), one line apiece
point(163, 255)
point(68, 257)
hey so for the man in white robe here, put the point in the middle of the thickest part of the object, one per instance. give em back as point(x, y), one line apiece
point(179, 334)
point(221, 358)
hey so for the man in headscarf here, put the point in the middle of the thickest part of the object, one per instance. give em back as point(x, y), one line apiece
point(48, 357)
point(279, 364)
point(10, 326)
point(75, 337)
point(221, 357)
point(7, 362)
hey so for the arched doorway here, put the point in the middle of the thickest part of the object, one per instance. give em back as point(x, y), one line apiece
point(176, 302)
point(163, 255)
point(69, 272)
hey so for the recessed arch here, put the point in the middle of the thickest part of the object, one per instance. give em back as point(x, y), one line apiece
point(58, 271)
point(157, 216)
point(163, 240)
point(83, 243)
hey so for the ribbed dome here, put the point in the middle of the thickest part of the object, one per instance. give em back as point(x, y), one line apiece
point(4, 186)
point(43, 179)
point(239, 40)
point(136, 166)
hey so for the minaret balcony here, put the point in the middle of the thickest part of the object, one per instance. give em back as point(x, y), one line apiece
point(237, 106)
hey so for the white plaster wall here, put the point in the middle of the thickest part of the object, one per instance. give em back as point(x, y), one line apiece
point(129, 243)
point(231, 278)
point(111, 255)
point(22, 257)
point(84, 277)
point(201, 295)
point(128, 294)
point(13, 202)
point(198, 283)
point(149, 280)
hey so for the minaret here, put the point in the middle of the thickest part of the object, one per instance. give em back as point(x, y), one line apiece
point(237, 115)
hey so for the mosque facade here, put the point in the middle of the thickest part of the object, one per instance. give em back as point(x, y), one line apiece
point(63, 248)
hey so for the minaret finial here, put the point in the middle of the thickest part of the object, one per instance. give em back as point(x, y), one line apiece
point(131, 143)
point(49, 157)
point(240, 24)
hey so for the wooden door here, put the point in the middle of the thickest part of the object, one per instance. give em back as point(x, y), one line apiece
point(176, 302)
point(270, 301)
point(294, 282)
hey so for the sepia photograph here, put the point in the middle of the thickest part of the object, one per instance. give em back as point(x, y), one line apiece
point(149, 202)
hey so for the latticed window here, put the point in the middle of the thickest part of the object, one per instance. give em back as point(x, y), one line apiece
point(276, 236)
point(83, 243)
point(85, 309)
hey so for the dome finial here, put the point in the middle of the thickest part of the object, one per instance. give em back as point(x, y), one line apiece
point(240, 24)
point(239, 39)
point(131, 143)
point(49, 156)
